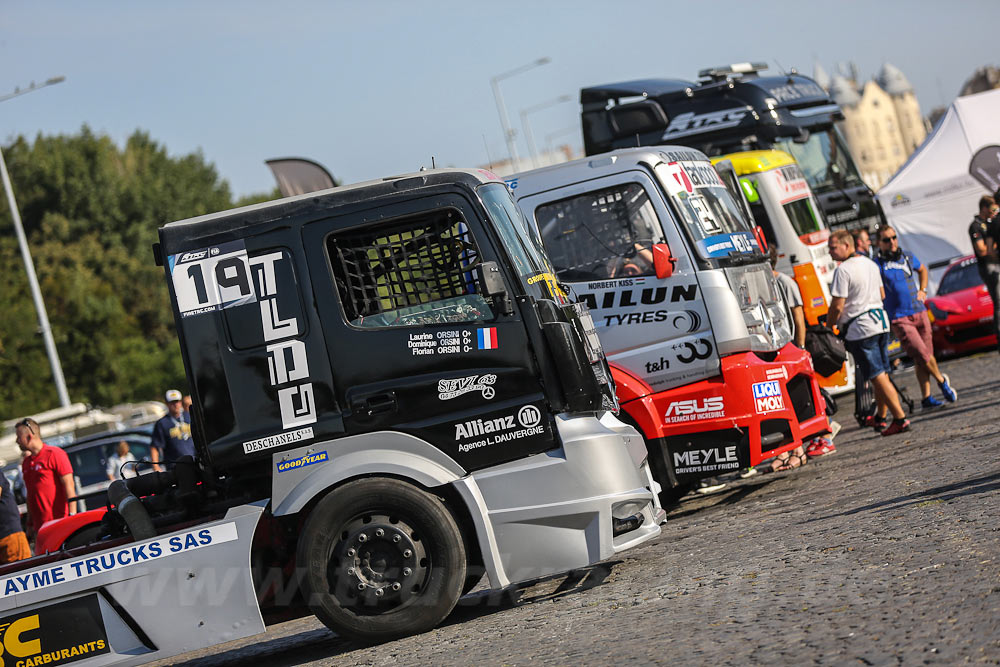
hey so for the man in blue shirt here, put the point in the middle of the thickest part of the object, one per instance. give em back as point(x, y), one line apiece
point(904, 302)
point(172, 433)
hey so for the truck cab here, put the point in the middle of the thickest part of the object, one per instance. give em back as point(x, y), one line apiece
point(684, 303)
point(392, 398)
point(783, 206)
point(737, 108)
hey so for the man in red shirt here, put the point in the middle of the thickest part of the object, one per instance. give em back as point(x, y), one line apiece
point(48, 476)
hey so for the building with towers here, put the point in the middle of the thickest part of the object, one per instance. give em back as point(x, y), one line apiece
point(882, 120)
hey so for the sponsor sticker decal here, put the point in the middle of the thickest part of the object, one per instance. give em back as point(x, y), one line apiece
point(526, 423)
point(487, 338)
point(442, 342)
point(720, 245)
point(767, 397)
point(211, 279)
point(303, 461)
point(453, 388)
point(706, 460)
point(277, 440)
point(54, 635)
point(775, 373)
point(693, 409)
point(688, 122)
point(628, 298)
point(116, 559)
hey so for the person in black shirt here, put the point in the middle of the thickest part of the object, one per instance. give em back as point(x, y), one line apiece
point(172, 433)
point(983, 232)
point(13, 541)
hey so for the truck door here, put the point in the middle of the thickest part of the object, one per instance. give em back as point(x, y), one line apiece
point(599, 235)
point(414, 343)
point(785, 199)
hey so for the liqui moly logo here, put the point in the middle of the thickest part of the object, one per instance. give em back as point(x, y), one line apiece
point(487, 339)
point(767, 397)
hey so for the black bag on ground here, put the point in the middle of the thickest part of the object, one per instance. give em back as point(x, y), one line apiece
point(827, 350)
point(831, 402)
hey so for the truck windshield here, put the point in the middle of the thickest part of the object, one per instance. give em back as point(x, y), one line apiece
point(802, 216)
point(521, 242)
point(824, 160)
point(706, 207)
point(602, 234)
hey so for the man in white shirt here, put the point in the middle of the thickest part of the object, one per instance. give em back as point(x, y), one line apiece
point(857, 309)
point(121, 456)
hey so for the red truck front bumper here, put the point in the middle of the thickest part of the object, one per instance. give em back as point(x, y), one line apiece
point(753, 410)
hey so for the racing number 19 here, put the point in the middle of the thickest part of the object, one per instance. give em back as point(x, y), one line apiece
point(229, 273)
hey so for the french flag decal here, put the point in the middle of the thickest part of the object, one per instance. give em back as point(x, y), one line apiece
point(487, 339)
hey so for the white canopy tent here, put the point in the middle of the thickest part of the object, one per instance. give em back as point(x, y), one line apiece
point(930, 201)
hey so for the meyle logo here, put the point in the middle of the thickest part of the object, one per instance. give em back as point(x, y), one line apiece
point(192, 256)
point(700, 457)
point(694, 410)
point(767, 397)
point(303, 461)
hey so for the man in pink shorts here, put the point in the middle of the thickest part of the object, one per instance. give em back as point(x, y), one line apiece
point(904, 302)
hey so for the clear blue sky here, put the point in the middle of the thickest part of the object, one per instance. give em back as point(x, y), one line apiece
point(375, 88)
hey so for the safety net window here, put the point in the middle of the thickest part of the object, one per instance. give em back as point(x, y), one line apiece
point(604, 234)
point(414, 271)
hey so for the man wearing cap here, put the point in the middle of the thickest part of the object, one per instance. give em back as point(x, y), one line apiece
point(172, 433)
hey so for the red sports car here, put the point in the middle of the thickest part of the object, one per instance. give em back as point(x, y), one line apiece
point(962, 311)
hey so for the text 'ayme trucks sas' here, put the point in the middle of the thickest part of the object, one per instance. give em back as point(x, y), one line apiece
point(685, 305)
point(782, 204)
point(391, 398)
point(731, 109)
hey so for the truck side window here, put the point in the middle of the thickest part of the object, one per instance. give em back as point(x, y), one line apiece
point(761, 218)
point(603, 234)
point(413, 271)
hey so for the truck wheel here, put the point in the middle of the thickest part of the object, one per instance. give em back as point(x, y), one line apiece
point(380, 559)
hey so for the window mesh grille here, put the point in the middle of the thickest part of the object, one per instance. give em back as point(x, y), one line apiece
point(404, 264)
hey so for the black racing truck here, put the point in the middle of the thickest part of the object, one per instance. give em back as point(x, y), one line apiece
point(737, 108)
point(392, 398)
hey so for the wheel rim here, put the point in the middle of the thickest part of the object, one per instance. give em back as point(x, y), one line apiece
point(377, 564)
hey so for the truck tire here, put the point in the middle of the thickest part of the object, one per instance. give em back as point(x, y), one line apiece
point(380, 559)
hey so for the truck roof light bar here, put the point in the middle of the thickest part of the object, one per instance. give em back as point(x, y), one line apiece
point(720, 73)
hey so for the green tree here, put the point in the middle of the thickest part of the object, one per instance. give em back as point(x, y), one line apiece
point(91, 212)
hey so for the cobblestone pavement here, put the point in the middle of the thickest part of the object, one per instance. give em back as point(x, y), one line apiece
point(886, 553)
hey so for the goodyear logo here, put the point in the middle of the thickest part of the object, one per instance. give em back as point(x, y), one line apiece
point(303, 461)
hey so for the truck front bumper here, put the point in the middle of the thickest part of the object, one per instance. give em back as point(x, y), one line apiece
point(754, 410)
point(567, 508)
point(138, 601)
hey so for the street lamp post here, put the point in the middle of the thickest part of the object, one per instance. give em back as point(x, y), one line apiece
point(29, 266)
point(528, 136)
point(569, 129)
point(508, 132)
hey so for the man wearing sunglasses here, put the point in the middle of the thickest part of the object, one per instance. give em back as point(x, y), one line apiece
point(904, 302)
point(857, 309)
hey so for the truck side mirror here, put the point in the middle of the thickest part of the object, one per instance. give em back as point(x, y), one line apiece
point(663, 261)
point(491, 280)
point(758, 233)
